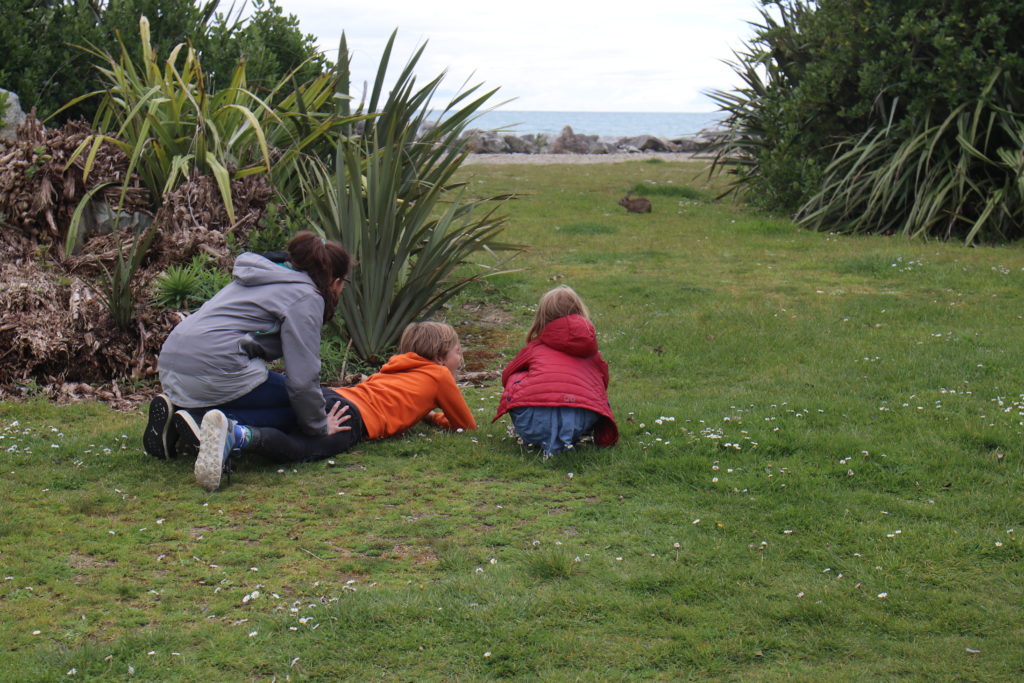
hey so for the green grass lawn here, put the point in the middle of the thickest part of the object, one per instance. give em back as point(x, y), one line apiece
point(819, 478)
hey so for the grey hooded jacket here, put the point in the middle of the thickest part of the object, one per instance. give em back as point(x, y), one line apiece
point(217, 354)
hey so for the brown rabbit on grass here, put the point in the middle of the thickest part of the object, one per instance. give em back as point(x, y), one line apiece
point(635, 204)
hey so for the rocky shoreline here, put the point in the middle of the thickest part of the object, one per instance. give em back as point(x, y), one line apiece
point(569, 142)
point(613, 158)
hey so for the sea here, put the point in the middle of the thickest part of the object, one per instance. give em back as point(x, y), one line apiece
point(602, 123)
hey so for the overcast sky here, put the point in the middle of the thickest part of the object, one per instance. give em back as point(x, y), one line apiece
point(549, 55)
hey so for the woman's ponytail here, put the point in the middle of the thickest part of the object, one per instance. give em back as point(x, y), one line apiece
point(324, 261)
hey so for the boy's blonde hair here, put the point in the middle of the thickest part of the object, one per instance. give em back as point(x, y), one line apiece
point(558, 303)
point(431, 340)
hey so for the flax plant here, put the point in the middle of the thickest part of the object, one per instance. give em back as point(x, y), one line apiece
point(164, 117)
point(392, 201)
point(748, 146)
point(171, 126)
point(959, 178)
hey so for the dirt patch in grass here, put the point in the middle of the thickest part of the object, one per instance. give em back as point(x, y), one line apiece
point(485, 330)
point(413, 555)
point(80, 561)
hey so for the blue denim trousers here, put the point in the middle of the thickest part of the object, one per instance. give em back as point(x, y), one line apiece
point(267, 405)
point(553, 429)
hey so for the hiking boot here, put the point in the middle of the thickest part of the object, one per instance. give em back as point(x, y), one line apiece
point(216, 441)
point(159, 434)
point(188, 435)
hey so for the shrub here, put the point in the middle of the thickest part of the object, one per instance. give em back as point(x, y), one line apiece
point(167, 119)
point(392, 202)
point(844, 84)
point(40, 64)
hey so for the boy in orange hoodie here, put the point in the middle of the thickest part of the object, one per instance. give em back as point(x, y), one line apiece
point(406, 390)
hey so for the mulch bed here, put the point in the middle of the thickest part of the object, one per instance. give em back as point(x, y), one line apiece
point(56, 334)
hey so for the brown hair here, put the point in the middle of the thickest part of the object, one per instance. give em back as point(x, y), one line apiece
point(558, 303)
point(324, 261)
point(431, 340)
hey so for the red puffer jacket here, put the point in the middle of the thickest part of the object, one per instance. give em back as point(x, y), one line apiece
point(562, 367)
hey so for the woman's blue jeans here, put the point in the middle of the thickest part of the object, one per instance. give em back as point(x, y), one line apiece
point(265, 406)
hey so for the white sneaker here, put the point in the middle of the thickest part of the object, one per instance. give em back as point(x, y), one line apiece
point(216, 441)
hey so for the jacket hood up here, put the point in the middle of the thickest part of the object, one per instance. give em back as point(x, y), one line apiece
point(572, 334)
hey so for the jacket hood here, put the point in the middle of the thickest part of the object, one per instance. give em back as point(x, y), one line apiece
point(252, 269)
point(404, 362)
point(572, 334)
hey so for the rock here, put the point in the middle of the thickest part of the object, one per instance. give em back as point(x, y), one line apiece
point(701, 141)
point(569, 142)
point(12, 115)
point(688, 144)
point(521, 145)
point(485, 142)
point(99, 219)
point(647, 143)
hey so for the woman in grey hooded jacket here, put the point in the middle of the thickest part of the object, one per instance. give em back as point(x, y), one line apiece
point(216, 357)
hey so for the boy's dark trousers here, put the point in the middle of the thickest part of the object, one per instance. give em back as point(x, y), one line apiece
point(281, 446)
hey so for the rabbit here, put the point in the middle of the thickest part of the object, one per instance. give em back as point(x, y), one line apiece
point(636, 204)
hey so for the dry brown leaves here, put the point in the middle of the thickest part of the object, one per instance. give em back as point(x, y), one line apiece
point(39, 191)
point(55, 332)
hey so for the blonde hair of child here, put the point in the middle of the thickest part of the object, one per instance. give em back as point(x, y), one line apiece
point(558, 303)
point(431, 340)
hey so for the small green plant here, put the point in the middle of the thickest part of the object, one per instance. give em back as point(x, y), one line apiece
point(187, 287)
point(335, 353)
point(551, 562)
point(40, 155)
point(176, 287)
point(276, 227)
point(118, 291)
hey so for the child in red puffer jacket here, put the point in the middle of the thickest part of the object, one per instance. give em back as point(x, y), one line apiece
point(556, 386)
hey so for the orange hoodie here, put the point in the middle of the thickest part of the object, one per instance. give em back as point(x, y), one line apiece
point(404, 392)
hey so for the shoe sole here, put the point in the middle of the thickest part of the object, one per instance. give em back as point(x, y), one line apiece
point(158, 427)
point(213, 434)
point(187, 445)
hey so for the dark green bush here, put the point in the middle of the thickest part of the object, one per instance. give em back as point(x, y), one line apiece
point(41, 63)
point(824, 82)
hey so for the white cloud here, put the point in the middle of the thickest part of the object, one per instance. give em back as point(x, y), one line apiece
point(646, 55)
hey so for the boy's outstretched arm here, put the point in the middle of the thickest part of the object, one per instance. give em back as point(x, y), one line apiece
point(456, 413)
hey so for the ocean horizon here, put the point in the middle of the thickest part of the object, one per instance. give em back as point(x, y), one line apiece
point(604, 124)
